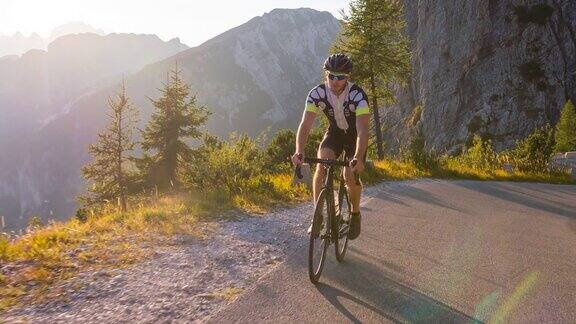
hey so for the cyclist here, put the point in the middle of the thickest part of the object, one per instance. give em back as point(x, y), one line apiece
point(345, 105)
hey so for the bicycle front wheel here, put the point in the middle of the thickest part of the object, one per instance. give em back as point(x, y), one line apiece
point(319, 238)
point(342, 223)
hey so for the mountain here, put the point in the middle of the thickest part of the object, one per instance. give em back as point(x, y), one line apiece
point(18, 44)
point(496, 68)
point(41, 86)
point(75, 27)
point(251, 77)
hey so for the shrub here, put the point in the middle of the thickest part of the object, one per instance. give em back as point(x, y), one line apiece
point(417, 153)
point(480, 155)
point(566, 129)
point(283, 145)
point(225, 165)
point(35, 222)
point(533, 153)
point(81, 215)
point(4, 247)
point(280, 148)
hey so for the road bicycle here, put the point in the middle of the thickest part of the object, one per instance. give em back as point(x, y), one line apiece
point(331, 217)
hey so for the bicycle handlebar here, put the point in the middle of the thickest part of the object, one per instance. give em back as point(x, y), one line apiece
point(298, 170)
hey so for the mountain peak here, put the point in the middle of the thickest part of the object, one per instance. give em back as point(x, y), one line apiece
point(75, 27)
point(302, 10)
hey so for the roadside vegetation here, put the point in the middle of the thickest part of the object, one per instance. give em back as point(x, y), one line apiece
point(239, 173)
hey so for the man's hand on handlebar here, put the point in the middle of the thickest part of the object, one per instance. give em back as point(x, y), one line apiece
point(357, 165)
point(297, 158)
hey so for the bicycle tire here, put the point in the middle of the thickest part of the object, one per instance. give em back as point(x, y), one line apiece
point(341, 226)
point(318, 238)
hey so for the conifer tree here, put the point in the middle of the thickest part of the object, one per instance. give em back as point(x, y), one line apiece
point(108, 170)
point(373, 36)
point(177, 117)
point(566, 129)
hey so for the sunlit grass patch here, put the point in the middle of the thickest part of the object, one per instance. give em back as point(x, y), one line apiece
point(229, 294)
point(107, 239)
point(453, 168)
point(261, 194)
point(390, 169)
point(9, 295)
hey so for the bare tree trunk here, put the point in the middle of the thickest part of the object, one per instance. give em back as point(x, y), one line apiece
point(122, 203)
point(119, 174)
point(376, 113)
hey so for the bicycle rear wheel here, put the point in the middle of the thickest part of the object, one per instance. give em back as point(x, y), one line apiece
point(319, 238)
point(342, 223)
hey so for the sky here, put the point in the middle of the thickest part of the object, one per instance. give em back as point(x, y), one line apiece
point(192, 21)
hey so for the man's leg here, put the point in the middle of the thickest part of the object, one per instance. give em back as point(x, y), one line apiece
point(354, 190)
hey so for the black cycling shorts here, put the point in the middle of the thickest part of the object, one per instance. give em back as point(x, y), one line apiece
point(340, 141)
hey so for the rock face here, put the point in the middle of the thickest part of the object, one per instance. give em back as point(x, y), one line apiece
point(564, 162)
point(251, 77)
point(498, 68)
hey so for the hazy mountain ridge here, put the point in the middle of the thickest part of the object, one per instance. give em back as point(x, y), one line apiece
point(41, 84)
point(18, 44)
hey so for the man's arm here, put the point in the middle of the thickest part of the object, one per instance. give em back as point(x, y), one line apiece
point(303, 132)
point(362, 126)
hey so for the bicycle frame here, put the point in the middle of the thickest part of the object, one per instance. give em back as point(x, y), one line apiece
point(329, 166)
point(329, 187)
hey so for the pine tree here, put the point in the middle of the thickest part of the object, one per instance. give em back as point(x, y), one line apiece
point(108, 169)
point(373, 36)
point(566, 129)
point(177, 117)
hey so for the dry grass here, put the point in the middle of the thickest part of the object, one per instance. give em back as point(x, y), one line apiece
point(263, 193)
point(58, 251)
point(450, 168)
point(229, 294)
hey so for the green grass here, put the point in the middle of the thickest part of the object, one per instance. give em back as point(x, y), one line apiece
point(451, 168)
point(109, 239)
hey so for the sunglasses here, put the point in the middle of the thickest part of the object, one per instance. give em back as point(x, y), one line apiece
point(338, 77)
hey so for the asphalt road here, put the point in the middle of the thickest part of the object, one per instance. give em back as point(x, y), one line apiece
point(436, 252)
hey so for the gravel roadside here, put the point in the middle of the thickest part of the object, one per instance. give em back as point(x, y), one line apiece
point(185, 281)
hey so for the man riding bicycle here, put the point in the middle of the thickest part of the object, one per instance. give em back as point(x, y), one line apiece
point(345, 105)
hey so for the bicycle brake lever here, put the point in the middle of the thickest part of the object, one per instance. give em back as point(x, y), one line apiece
point(298, 168)
point(298, 172)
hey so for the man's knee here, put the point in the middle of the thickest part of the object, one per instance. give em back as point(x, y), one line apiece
point(349, 178)
point(326, 153)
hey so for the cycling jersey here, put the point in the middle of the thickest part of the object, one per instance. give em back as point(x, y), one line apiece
point(342, 110)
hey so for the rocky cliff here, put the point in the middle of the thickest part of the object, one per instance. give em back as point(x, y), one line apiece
point(498, 68)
